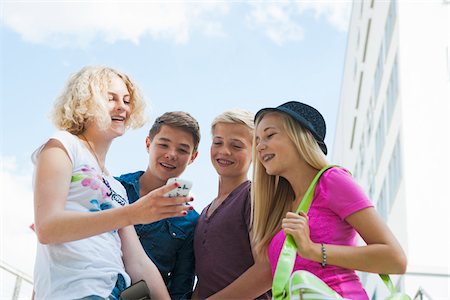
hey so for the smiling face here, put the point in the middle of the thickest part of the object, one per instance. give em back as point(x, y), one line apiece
point(118, 105)
point(231, 149)
point(170, 152)
point(276, 151)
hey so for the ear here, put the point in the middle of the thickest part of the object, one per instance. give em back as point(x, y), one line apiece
point(147, 143)
point(193, 157)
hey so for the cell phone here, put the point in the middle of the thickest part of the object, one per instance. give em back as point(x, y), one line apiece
point(137, 291)
point(182, 190)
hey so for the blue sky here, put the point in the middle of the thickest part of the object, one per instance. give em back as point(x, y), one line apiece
point(199, 57)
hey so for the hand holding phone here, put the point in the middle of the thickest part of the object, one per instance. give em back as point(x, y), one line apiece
point(183, 189)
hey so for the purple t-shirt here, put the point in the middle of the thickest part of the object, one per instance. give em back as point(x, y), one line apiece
point(336, 197)
point(222, 244)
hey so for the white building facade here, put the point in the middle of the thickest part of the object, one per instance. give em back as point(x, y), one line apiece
point(393, 131)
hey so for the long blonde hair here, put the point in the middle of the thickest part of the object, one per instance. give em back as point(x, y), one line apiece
point(272, 195)
point(84, 99)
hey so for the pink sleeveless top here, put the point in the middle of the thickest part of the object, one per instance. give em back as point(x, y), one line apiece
point(336, 197)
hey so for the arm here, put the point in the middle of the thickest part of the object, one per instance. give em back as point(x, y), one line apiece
point(56, 225)
point(382, 254)
point(182, 281)
point(139, 266)
point(252, 283)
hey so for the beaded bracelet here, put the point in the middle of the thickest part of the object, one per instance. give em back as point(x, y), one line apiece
point(324, 256)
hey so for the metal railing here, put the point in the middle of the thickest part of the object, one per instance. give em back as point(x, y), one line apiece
point(422, 295)
point(20, 278)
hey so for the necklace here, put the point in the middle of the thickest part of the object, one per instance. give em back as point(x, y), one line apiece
point(102, 167)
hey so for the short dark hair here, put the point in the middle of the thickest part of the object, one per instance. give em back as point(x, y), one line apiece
point(177, 119)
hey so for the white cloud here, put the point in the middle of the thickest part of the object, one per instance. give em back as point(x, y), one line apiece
point(77, 23)
point(280, 20)
point(9, 163)
point(17, 240)
point(276, 21)
point(337, 13)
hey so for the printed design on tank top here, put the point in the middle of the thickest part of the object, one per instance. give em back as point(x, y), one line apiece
point(90, 178)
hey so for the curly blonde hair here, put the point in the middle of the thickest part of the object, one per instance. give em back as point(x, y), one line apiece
point(84, 99)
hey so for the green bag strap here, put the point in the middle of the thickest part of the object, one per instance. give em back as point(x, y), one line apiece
point(286, 261)
point(388, 282)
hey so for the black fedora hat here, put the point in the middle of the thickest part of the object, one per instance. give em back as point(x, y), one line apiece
point(309, 117)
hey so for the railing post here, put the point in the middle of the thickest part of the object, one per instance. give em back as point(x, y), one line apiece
point(20, 278)
point(17, 288)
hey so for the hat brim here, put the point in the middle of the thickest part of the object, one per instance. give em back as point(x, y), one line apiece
point(305, 123)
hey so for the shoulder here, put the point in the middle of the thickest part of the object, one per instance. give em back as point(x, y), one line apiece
point(243, 191)
point(341, 192)
point(63, 135)
point(61, 139)
point(336, 177)
point(129, 177)
point(67, 139)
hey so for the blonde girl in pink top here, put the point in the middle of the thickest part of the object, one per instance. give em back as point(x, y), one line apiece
point(290, 151)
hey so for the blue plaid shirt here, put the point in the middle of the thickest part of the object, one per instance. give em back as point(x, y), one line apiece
point(168, 243)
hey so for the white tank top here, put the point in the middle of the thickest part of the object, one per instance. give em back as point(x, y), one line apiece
point(89, 266)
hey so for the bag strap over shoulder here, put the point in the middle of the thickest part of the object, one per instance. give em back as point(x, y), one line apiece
point(286, 260)
point(309, 195)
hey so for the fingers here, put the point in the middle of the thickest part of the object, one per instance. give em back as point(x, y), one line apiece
point(169, 201)
point(175, 201)
point(297, 224)
point(295, 218)
point(154, 209)
point(164, 189)
point(289, 231)
point(301, 214)
point(178, 213)
point(294, 221)
point(158, 199)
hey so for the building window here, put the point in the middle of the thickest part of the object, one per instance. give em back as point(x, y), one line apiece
point(367, 40)
point(382, 205)
point(353, 133)
point(392, 93)
point(358, 39)
point(380, 135)
point(370, 191)
point(391, 182)
point(395, 172)
point(370, 179)
point(361, 76)
point(389, 27)
point(379, 71)
point(369, 116)
point(362, 149)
